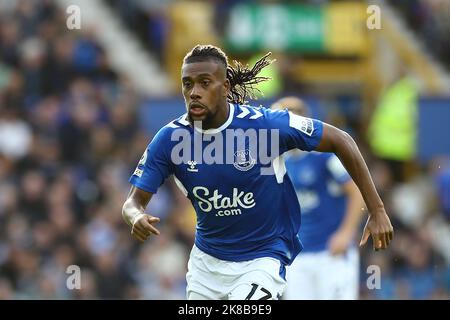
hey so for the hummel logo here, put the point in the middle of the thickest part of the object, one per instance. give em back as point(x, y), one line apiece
point(192, 165)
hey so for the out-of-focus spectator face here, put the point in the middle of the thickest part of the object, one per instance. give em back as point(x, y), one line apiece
point(84, 115)
point(9, 32)
point(121, 116)
point(110, 177)
point(64, 255)
point(60, 192)
point(33, 185)
point(62, 218)
point(26, 262)
point(46, 287)
point(6, 166)
point(418, 255)
point(26, 8)
point(106, 262)
point(33, 53)
point(101, 237)
point(135, 148)
point(87, 191)
point(46, 113)
point(63, 49)
point(82, 240)
point(48, 31)
point(18, 230)
point(102, 142)
point(44, 235)
point(15, 84)
point(82, 90)
point(411, 201)
point(47, 150)
point(381, 176)
point(8, 198)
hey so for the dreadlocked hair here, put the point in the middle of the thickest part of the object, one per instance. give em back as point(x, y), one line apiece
point(242, 78)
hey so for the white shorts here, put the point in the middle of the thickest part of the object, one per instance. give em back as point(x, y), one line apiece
point(214, 279)
point(319, 275)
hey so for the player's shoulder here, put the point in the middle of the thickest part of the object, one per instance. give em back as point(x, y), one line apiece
point(166, 132)
point(179, 123)
point(258, 114)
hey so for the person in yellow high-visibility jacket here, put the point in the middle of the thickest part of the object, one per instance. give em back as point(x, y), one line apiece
point(393, 127)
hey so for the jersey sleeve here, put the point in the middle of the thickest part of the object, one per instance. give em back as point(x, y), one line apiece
point(297, 132)
point(154, 166)
point(337, 170)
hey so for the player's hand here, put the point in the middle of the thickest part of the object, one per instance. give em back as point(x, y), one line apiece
point(380, 228)
point(143, 227)
point(339, 242)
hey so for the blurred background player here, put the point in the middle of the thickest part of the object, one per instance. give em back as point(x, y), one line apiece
point(328, 266)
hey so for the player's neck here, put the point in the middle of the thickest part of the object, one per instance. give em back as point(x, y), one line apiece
point(220, 118)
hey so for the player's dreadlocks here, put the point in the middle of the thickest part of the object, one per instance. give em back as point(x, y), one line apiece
point(242, 78)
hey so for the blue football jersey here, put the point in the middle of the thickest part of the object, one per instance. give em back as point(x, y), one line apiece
point(246, 205)
point(318, 179)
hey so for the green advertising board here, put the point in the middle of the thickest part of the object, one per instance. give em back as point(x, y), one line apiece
point(296, 28)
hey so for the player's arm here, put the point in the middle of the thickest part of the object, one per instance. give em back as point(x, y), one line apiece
point(341, 239)
point(342, 144)
point(133, 213)
point(153, 168)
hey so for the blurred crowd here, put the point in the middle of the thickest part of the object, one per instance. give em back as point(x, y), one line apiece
point(430, 19)
point(69, 140)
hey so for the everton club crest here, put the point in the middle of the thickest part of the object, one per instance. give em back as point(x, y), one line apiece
point(243, 160)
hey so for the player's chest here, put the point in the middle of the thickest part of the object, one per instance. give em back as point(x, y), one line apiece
point(234, 157)
point(239, 173)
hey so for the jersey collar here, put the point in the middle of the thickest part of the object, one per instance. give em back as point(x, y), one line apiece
point(185, 122)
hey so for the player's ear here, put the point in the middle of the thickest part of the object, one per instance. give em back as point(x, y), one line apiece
point(227, 87)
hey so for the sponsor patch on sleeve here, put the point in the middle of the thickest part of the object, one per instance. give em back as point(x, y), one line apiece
point(303, 124)
point(143, 158)
point(138, 172)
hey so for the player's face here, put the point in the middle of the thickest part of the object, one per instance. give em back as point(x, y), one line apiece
point(205, 90)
